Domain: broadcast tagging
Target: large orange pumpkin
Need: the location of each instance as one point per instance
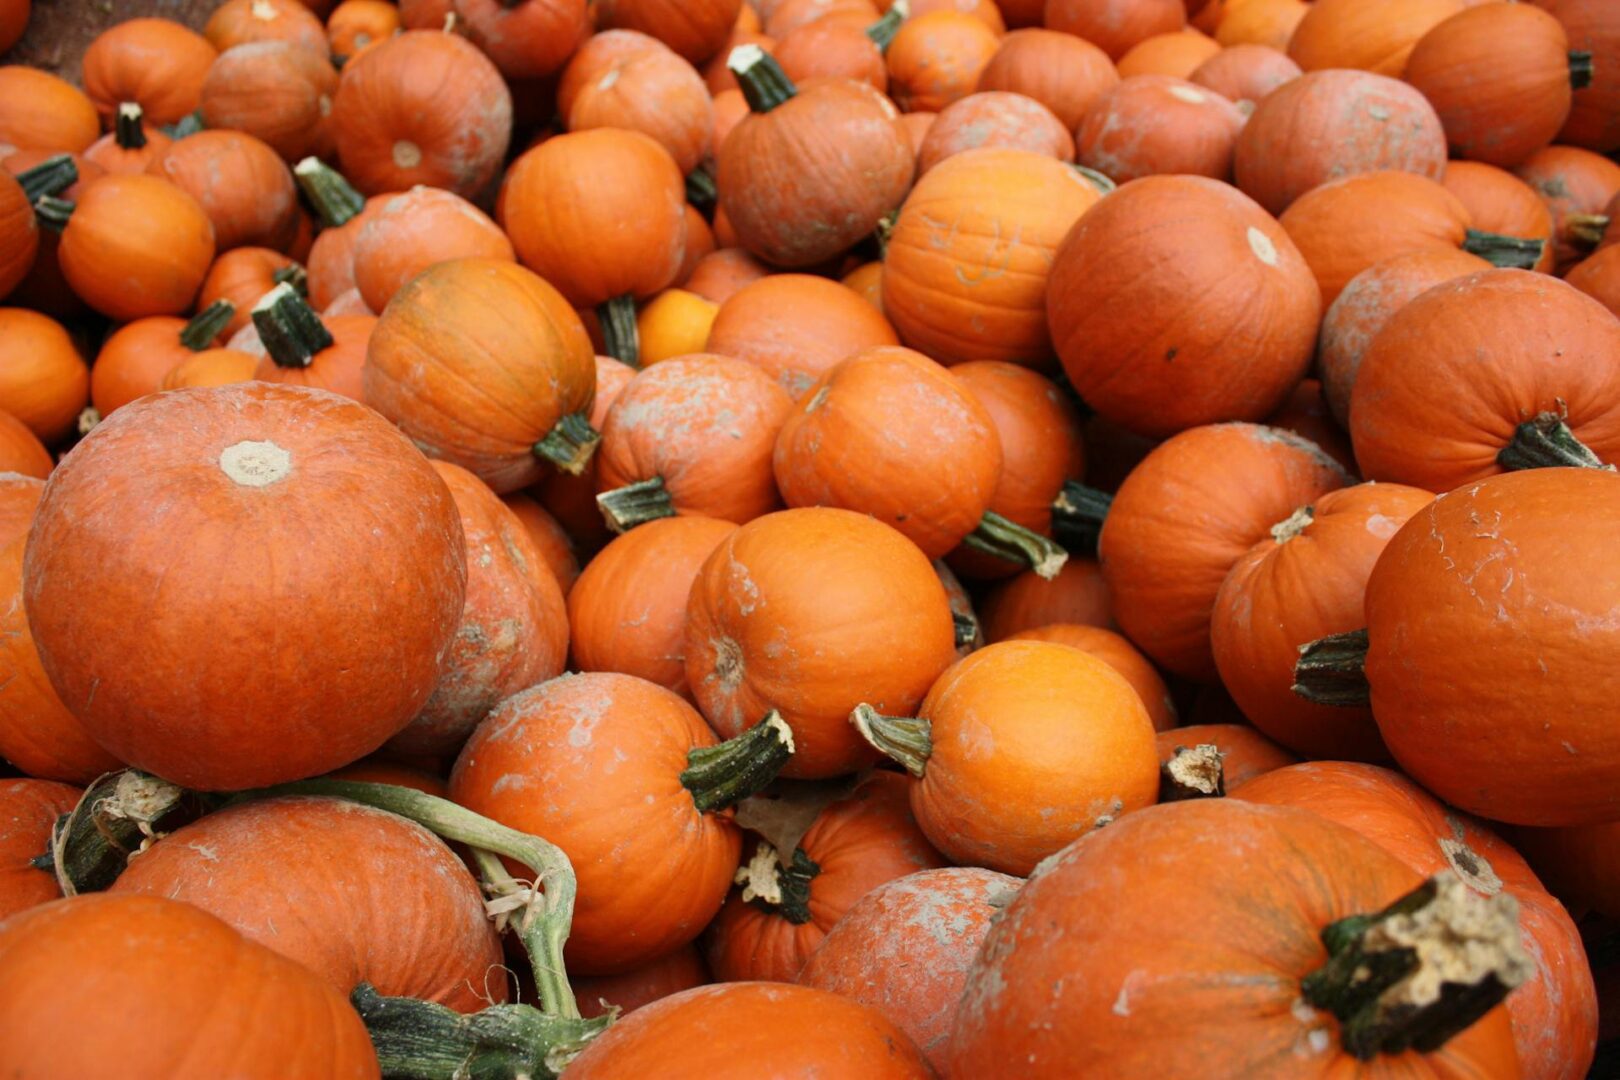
(647, 89)
(994, 118)
(935, 58)
(41, 111)
(1245, 72)
(696, 29)
(410, 232)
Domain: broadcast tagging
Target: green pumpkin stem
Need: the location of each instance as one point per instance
(1545, 443)
(291, 331)
(904, 739)
(570, 444)
(1078, 514)
(1193, 772)
(700, 189)
(1420, 971)
(129, 130)
(118, 815)
(764, 84)
(189, 124)
(966, 627)
(721, 776)
(206, 326)
(620, 337)
(782, 889)
(53, 213)
(334, 198)
(52, 176)
(294, 275)
(882, 32)
(1009, 540)
(1580, 69)
(635, 504)
(1101, 181)
(1587, 230)
(1506, 251)
(1331, 671)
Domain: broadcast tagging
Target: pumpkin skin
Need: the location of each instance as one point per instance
(906, 947)
(280, 93)
(422, 108)
(680, 970)
(331, 257)
(936, 59)
(28, 812)
(1260, 22)
(1303, 582)
(136, 245)
(727, 1031)
(529, 39)
(835, 46)
(480, 323)
(572, 499)
(337, 864)
(695, 29)
(210, 368)
(156, 63)
(1305, 413)
(133, 361)
(1365, 35)
(356, 25)
(1577, 863)
(113, 157)
(1119, 654)
(196, 999)
(39, 111)
(352, 660)
(652, 868)
(1134, 260)
(1175, 54)
(1155, 124)
(1499, 202)
(853, 443)
(1335, 124)
(866, 598)
(1366, 305)
(1485, 728)
(1554, 1015)
(411, 231)
(1106, 908)
(239, 22)
(786, 16)
(43, 380)
(550, 539)
(242, 185)
(676, 323)
(1245, 753)
(1570, 181)
(338, 367)
(1599, 277)
(1115, 25)
(650, 90)
(994, 118)
(21, 451)
(1497, 348)
(19, 235)
(797, 328)
(242, 275)
(1245, 72)
(13, 22)
(1592, 117)
(627, 613)
(1187, 513)
(722, 273)
(1029, 601)
(1063, 72)
(855, 844)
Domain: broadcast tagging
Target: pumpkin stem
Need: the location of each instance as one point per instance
(294, 275)
(765, 880)
(570, 444)
(53, 213)
(1192, 773)
(620, 337)
(1545, 443)
(52, 176)
(882, 32)
(635, 504)
(1420, 971)
(1580, 69)
(1078, 514)
(967, 628)
(721, 776)
(883, 230)
(119, 815)
(1585, 229)
(764, 84)
(189, 124)
(207, 325)
(903, 739)
(1293, 525)
(1009, 540)
(88, 419)
(291, 331)
(1330, 671)
(334, 198)
(700, 189)
(1507, 251)
(1101, 181)
(129, 132)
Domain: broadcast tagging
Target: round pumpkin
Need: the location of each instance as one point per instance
(278, 92)
(696, 29)
(1028, 601)
(1245, 72)
(527, 39)
(1245, 753)
(355, 25)
(28, 813)
(797, 328)
(680, 970)
(136, 245)
(1499, 202)
(210, 368)
(994, 118)
(1156, 124)
(130, 146)
(41, 111)
(1570, 181)
(19, 235)
(158, 64)
(718, 275)
(1592, 116)
(409, 232)
(1176, 54)
(1115, 25)
(1118, 653)
(43, 380)
(242, 185)
(238, 22)
(835, 46)
(242, 276)
(21, 451)
(650, 90)
(935, 59)
(1063, 72)
(1366, 35)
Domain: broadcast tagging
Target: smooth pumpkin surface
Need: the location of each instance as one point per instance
(835, 46)
(680, 970)
(936, 57)
(156, 63)
(43, 380)
(41, 111)
(1063, 72)
(1156, 124)
(279, 92)
(136, 245)
(210, 368)
(412, 231)
(28, 811)
(21, 451)
(238, 22)
(1245, 72)
(1077, 595)
(1499, 202)
(1599, 277)
(242, 276)
(696, 29)
(1570, 180)
(1115, 25)
(526, 40)
(1118, 653)
(19, 234)
(1593, 114)
(1175, 54)
(1366, 35)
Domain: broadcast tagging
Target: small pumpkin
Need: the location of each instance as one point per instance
(242, 276)
(158, 64)
(696, 29)
(837, 46)
(41, 111)
(1260, 22)
(1118, 653)
(1572, 182)
(343, 212)
(210, 367)
(1499, 202)
(1115, 25)
(28, 811)
(1065, 73)
(1242, 73)
(1176, 54)
(675, 323)
(1245, 753)
(279, 93)
(935, 59)
(1592, 116)
(1155, 124)
(43, 380)
(1028, 601)
(994, 118)
(241, 183)
(356, 25)
(527, 39)
(650, 90)
(1365, 35)
(238, 22)
(130, 146)
(796, 327)
(409, 232)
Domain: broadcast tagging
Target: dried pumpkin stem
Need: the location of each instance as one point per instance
(700, 189)
(721, 776)
(129, 129)
(1420, 971)
(1580, 69)
(53, 213)
(116, 817)
(1078, 514)
(904, 739)
(334, 198)
(52, 176)
(1193, 772)
(570, 444)
(620, 337)
(882, 32)
(1330, 671)
(764, 84)
(206, 326)
(966, 627)
(1545, 443)
(785, 889)
(294, 275)
(291, 331)
(1507, 251)
(1006, 539)
(635, 504)
(1586, 229)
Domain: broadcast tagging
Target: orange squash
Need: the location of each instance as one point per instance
(21, 451)
(1156, 124)
(135, 357)
(1115, 25)
(650, 90)
(242, 276)
(1260, 22)
(527, 39)
(935, 59)
(696, 29)
(1366, 35)
(356, 25)
(28, 811)
(210, 367)
(1065, 73)
(1592, 122)
(40, 111)
(280, 93)
(796, 327)
(994, 118)
(1499, 202)
(1245, 753)
(1176, 54)
(1242, 73)
(43, 380)
(1571, 181)
(410, 232)
(680, 970)
(130, 146)
(158, 64)
(241, 183)
(239, 22)
(1028, 601)
(1119, 654)
(837, 46)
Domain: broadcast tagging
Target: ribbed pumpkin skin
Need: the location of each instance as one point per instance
(1245, 72)
(1570, 181)
(696, 29)
(247, 675)
(1449, 377)
(1245, 753)
(1063, 72)
(1115, 25)
(136, 245)
(649, 90)
(1104, 948)
(276, 91)
(28, 811)
(1118, 653)
(1133, 261)
(525, 40)
(1027, 601)
(1152, 125)
(1594, 115)
(680, 970)
(242, 185)
(1511, 718)
(19, 234)
(1555, 1014)
(351, 893)
(1367, 35)
(994, 119)
(412, 231)
(175, 994)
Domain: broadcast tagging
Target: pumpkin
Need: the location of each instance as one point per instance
(1366, 35)
(195, 998)
(1134, 260)
(556, 547)
(238, 22)
(1599, 278)
(1554, 1014)
(1330, 124)
(210, 367)
(343, 212)
(680, 970)
(796, 327)
(43, 380)
(356, 25)
(376, 771)
(1366, 305)
(28, 811)
(1175, 54)
(860, 591)
(1260, 22)
(717, 75)
(674, 323)
(986, 11)
(241, 183)
(1181, 520)
(1151, 124)
(13, 22)
(867, 280)
(1499, 202)
(837, 46)
(1305, 412)
(463, 329)
(854, 841)
(39, 111)
(1245, 72)
(1061, 71)
(650, 90)
(366, 653)
(242, 276)
(279, 93)
(21, 451)
(410, 232)
(19, 234)
(1497, 370)
(905, 948)
(627, 613)
(570, 498)
(1577, 863)
(652, 840)
(936, 59)
(726, 1031)
(811, 170)
(965, 268)
(1591, 29)
(696, 29)
(156, 63)
(422, 108)
(526, 39)
(135, 357)
(1119, 654)
(998, 119)
(1115, 25)
(130, 146)
(1227, 945)
(1028, 601)
(1572, 182)
(786, 16)
(252, 864)
(1245, 753)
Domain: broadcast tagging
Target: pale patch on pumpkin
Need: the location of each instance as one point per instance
(407, 155)
(1261, 245)
(1188, 94)
(255, 463)
(263, 10)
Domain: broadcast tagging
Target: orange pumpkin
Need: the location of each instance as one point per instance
(1366, 35)
(556, 547)
(356, 25)
(130, 146)
(1591, 29)
(796, 327)
(280, 93)
(1061, 71)
(242, 276)
(241, 183)
(43, 380)
(13, 22)
(39, 111)
(1599, 277)
(1260, 22)
(1115, 25)
(156, 63)
(837, 46)
(527, 39)
(21, 451)
(648, 89)
(1176, 54)
(935, 59)
(303, 349)
(1245, 72)
(1028, 601)
(28, 811)
(1154, 124)
(571, 498)
(997, 119)
(1245, 753)
(19, 234)
(680, 970)
(410, 232)
(1571, 181)
(135, 357)
(210, 367)
(696, 29)
(786, 16)
(343, 212)
(239, 22)
(1499, 202)
(1119, 654)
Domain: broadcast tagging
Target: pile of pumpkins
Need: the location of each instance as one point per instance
(840, 538)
